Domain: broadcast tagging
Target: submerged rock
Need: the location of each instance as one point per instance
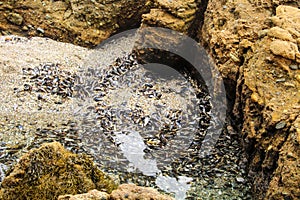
(50, 171)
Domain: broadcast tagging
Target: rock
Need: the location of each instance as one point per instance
(160, 18)
(91, 195)
(285, 184)
(181, 9)
(284, 49)
(280, 125)
(84, 23)
(240, 179)
(124, 191)
(15, 18)
(280, 33)
(133, 192)
(293, 67)
(175, 15)
(287, 17)
(267, 45)
(50, 171)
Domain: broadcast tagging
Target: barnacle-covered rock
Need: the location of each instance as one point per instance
(50, 171)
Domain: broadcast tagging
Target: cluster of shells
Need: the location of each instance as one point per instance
(150, 107)
(171, 115)
(49, 78)
(125, 97)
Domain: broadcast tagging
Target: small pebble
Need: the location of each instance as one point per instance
(240, 179)
(280, 125)
(40, 30)
(47, 17)
(280, 80)
(25, 28)
(290, 155)
(293, 67)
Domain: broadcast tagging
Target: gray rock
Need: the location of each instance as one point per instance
(240, 179)
(293, 67)
(280, 125)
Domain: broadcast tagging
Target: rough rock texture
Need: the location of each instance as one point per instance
(79, 22)
(133, 192)
(256, 46)
(181, 16)
(124, 191)
(87, 23)
(176, 15)
(50, 171)
(91, 195)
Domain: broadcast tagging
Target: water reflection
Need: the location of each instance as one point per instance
(132, 146)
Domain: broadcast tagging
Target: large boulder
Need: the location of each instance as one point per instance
(50, 171)
(257, 52)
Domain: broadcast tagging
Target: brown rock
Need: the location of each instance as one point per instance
(287, 186)
(287, 17)
(83, 22)
(280, 33)
(160, 18)
(50, 171)
(134, 192)
(181, 9)
(284, 49)
(240, 28)
(91, 195)
(175, 15)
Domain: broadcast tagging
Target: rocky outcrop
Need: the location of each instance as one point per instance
(258, 50)
(50, 171)
(85, 23)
